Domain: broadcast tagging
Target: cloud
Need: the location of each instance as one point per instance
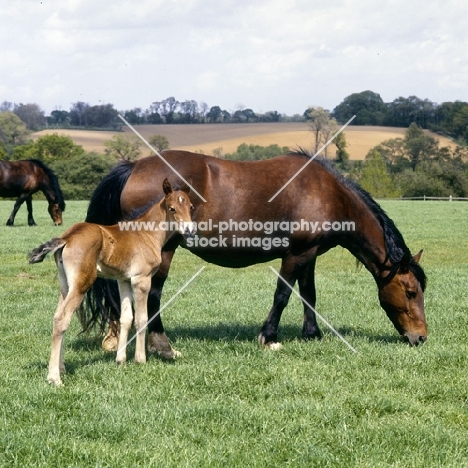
(268, 54)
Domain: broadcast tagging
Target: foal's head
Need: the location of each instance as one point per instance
(179, 208)
(401, 296)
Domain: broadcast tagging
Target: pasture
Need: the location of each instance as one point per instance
(208, 137)
(226, 402)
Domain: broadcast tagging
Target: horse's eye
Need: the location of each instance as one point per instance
(410, 294)
(172, 209)
(192, 207)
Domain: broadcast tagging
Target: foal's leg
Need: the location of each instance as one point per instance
(62, 318)
(141, 287)
(126, 319)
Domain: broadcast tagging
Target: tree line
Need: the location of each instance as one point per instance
(448, 118)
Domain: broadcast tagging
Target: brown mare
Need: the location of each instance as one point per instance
(20, 179)
(239, 191)
(88, 250)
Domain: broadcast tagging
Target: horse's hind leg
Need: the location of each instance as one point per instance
(31, 221)
(310, 328)
(20, 200)
(268, 336)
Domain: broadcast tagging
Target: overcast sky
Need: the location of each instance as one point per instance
(283, 55)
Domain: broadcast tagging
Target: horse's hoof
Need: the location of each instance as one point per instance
(272, 345)
(170, 355)
(159, 343)
(109, 343)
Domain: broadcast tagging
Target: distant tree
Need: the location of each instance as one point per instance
(123, 147)
(419, 146)
(49, 148)
(342, 156)
(247, 152)
(6, 106)
(78, 114)
(402, 112)
(31, 115)
(102, 116)
(203, 111)
(134, 116)
(81, 175)
(13, 131)
(159, 142)
(322, 127)
(367, 106)
(214, 114)
(376, 179)
(59, 118)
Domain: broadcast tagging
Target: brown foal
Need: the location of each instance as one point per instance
(132, 257)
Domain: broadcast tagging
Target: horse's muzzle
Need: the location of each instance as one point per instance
(414, 339)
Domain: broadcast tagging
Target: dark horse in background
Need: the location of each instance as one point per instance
(240, 191)
(20, 179)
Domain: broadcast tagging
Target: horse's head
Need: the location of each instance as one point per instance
(179, 209)
(55, 213)
(401, 295)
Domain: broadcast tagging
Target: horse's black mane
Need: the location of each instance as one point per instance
(53, 182)
(397, 250)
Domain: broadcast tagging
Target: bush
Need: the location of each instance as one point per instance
(80, 175)
(247, 152)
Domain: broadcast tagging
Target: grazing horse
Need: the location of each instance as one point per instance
(238, 195)
(87, 251)
(23, 178)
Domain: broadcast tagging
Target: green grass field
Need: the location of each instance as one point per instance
(226, 402)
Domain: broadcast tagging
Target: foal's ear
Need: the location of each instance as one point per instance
(167, 187)
(417, 257)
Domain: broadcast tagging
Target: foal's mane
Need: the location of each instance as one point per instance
(397, 250)
(54, 183)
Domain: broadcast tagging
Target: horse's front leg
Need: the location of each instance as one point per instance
(310, 328)
(268, 336)
(141, 287)
(158, 342)
(20, 200)
(126, 319)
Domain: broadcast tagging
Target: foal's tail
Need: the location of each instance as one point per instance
(38, 254)
(101, 306)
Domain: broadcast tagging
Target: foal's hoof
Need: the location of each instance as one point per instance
(53, 380)
(272, 345)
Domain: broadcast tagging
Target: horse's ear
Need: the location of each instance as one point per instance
(186, 187)
(417, 257)
(167, 187)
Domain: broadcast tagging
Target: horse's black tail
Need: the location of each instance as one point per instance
(102, 305)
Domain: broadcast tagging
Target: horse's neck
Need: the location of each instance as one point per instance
(367, 241)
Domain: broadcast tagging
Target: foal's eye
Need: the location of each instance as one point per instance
(192, 207)
(172, 209)
(410, 294)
